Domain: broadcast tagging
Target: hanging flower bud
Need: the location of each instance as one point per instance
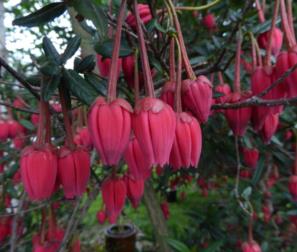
(144, 13)
(165, 210)
(135, 189)
(251, 246)
(109, 126)
(19, 141)
(83, 138)
(250, 157)
(35, 119)
(38, 166)
(14, 128)
(4, 130)
(19, 102)
(197, 97)
(277, 40)
(101, 217)
(270, 127)
(138, 164)
(209, 22)
(73, 171)
(114, 194)
(167, 93)
(154, 126)
(224, 90)
(104, 65)
(187, 144)
(5, 228)
(293, 187)
(238, 118)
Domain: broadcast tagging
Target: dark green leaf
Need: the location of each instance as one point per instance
(50, 51)
(50, 87)
(105, 48)
(49, 68)
(34, 80)
(79, 87)
(259, 171)
(27, 124)
(72, 47)
(178, 246)
(93, 11)
(154, 24)
(86, 64)
(42, 16)
(98, 84)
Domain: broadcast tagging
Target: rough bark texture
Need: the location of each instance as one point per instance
(2, 31)
(157, 218)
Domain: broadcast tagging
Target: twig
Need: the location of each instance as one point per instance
(20, 78)
(19, 109)
(13, 238)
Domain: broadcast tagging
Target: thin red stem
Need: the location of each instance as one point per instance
(143, 54)
(41, 124)
(47, 123)
(178, 103)
(172, 60)
(136, 77)
(67, 123)
(254, 55)
(260, 12)
(113, 76)
(273, 22)
(286, 25)
(186, 61)
(237, 66)
(291, 19)
(250, 229)
(221, 79)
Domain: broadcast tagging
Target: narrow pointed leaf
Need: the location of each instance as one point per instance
(79, 87)
(50, 50)
(71, 49)
(42, 16)
(50, 87)
(86, 64)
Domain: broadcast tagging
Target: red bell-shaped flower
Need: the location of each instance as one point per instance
(224, 90)
(277, 40)
(101, 217)
(238, 118)
(83, 138)
(187, 144)
(284, 61)
(73, 171)
(261, 80)
(138, 164)
(269, 128)
(14, 128)
(104, 65)
(154, 127)
(251, 246)
(209, 22)
(110, 126)
(135, 189)
(250, 157)
(197, 97)
(293, 187)
(114, 194)
(144, 13)
(35, 119)
(5, 228)
(4, 130)
(168, 93)
(38, 166)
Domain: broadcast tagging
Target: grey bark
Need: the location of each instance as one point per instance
(157, 218)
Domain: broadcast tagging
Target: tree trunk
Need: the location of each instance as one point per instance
(157, 218)
(2, 31)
